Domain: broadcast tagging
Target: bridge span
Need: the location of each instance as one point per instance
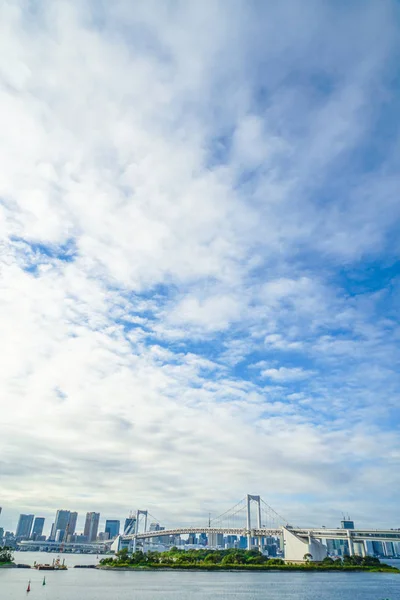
(297, 541)
(357, 535)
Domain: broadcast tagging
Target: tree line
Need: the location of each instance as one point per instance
(232, 558)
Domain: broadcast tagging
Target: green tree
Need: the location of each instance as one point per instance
(371, 561)
(6, 555)
(122, 555)
(307, 557)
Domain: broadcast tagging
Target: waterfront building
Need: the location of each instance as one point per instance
(73, 517)
(203, 539)
(337, 547)
(37, 529)
(80, 539)
(112, 528)
(388, 548)
(65, 523)
(378, 548)
(130, 524)
(215, 540)
(242, 542)
(60, 524)
(192, 539)
(91, 526)
(9, 539)
(59, 535)
(347, 523)
(24, 527)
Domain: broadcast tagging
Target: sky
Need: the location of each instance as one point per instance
(199, 264)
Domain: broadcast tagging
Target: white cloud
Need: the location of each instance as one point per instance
(283, 374)
(162, 205)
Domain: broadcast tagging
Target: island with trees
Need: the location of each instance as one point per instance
(6, 557)
(235, 559)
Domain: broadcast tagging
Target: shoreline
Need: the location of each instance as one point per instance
(260, 569)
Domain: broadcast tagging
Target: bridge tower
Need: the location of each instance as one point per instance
(249, 499)
(138, 513)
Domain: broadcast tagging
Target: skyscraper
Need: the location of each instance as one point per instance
(112, 528)
(61, 522)
(130, 523)
(91, 526)
(24, 526)
(37, 530)
(65, 523)
(72, 523)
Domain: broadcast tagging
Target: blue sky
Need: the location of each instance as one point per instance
(200, 260)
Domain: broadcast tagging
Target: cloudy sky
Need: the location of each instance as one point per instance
(199, 276)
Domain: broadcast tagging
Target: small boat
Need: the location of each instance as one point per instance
(44, 580)
(28, 589)
(56, 566)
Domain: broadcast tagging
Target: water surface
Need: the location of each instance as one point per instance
(90, 584)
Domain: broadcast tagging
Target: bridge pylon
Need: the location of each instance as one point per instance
(138, 513)
(249, 499)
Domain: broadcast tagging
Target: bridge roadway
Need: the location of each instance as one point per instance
(357, 535)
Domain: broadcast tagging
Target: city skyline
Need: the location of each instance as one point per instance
(30, 524)
(336, 542)
(82, 523)
(200, 261)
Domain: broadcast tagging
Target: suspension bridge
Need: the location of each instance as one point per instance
(252, 518)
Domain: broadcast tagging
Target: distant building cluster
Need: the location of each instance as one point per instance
(63, 529)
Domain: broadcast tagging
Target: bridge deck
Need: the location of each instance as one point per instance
(323, 533)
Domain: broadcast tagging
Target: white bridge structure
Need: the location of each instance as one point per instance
(297, 542)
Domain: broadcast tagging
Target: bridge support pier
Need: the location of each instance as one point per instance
(249, 499)
(299, 549)
(363, 551)
(350, 543)
(138, 513)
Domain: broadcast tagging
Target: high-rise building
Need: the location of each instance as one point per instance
(73, 517)
(61, 523)
(203, 539)
(91, 526)
(130, 524)
(38, 525)
(59, 535)
(112, 528)
(24, 526)
(65, 523)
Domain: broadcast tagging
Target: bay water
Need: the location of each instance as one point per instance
(91, 584)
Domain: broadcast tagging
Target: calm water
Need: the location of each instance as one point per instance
(87, 584)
